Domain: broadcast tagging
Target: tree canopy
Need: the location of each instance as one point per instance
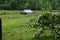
(30, 4)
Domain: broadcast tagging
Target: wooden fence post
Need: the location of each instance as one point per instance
(0, 29)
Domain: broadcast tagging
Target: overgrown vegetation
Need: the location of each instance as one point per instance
(16, 26)
(48, 21)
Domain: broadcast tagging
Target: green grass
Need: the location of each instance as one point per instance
(16, 29)
(14, 25)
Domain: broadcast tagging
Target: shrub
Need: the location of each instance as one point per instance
(50, 20)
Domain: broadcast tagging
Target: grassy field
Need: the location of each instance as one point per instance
(14, 25)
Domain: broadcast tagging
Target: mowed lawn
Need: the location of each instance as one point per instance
(14, 26)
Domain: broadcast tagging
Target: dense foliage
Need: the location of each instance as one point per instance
(50, 20)
(30, 4)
